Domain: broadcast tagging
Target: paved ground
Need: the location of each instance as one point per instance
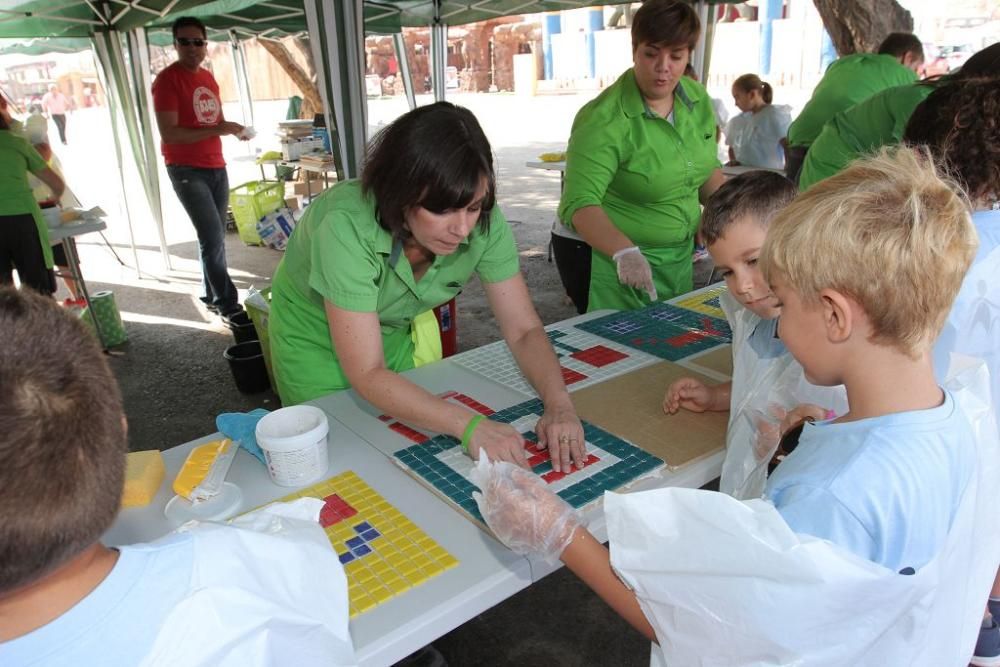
(175, 380)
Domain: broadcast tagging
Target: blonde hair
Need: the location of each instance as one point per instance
(890, 232)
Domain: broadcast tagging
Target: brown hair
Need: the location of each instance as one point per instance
(435, 156)
(665, 23)
(960, 124)
(62, 453)
(757, 195)
(749, 82)
(891, 233)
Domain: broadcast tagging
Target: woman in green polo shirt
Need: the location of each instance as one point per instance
(24, 237)
(641, 156)
(369, 256)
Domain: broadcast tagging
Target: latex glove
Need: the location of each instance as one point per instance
(560, 430)
(687, 393)
(634, 271)
(521, 511)
(778, 421)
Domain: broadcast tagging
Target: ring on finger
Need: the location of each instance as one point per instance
(565, 438)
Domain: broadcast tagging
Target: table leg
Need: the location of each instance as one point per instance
(73, 259)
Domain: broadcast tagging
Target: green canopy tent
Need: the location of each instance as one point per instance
(336, 31)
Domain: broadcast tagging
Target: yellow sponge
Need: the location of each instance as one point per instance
(198, 465)
(143, 474)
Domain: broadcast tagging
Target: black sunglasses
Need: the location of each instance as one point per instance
(184, 41)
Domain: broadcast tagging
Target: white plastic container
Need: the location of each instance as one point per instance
(53, 217)
(294, 444)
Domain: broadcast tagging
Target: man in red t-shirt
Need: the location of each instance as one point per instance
(189, 115)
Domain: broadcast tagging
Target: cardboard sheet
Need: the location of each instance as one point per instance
(719, 360)
(631, 407)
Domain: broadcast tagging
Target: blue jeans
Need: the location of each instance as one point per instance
(204, 193)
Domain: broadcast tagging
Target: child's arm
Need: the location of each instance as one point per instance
(530, 519)
(591, 561)
(696, 396)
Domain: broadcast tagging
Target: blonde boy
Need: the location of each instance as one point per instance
(865, 266)
(766, 379)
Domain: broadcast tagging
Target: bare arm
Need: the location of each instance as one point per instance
(357, 338)
(591, 562)
(597, 229)
(171, 133)
(560, 429)
(713, 183)
(53, 180)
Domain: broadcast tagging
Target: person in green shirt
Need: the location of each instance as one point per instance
(880, 120)
(641, 156)
(370, 256)
(24, 237)
(847, 81)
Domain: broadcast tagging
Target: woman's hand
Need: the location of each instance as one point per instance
(690, 394)
(560, 430)
(522, 512)
(634, 270)
(501, 442)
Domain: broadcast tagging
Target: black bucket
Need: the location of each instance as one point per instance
(242, 327)
(246, 361)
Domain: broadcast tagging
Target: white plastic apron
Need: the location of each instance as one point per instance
(725, 582)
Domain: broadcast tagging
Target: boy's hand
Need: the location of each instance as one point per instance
(521, 511)
(689, 394)
(772, 427)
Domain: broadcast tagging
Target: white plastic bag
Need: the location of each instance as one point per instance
(266, 591)
(725, 582)
(761, 384)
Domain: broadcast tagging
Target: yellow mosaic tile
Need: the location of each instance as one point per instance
(383, 552)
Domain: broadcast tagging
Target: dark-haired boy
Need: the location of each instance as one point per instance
(765, 377)
(199, 596)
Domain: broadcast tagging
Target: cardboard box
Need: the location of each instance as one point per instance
(313, 186)
(292, 202)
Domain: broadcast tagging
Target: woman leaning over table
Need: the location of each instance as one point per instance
(641, 155)
(370, 256)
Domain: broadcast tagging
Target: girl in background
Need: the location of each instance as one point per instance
(754, 136)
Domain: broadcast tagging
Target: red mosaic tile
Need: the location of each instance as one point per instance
(599, 356)
(334, 511)
(570, 376)
(407, 432)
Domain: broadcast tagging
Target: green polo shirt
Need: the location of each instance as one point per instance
(17, 158)
(864, 128)
(339, 253)
(847, 81)
(644, 171)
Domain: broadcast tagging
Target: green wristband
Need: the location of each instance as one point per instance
(469, 429)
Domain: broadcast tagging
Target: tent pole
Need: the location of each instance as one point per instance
(104, 72)
(439, 53)
(143, 92)
(336, 37)
(242, 80)
(403, 63)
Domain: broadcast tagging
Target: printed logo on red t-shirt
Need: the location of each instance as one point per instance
(206, 106)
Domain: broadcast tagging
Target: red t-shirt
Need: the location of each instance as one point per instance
(195, 98)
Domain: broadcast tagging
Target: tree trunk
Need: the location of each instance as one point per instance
(311, 101)
(857, 26)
